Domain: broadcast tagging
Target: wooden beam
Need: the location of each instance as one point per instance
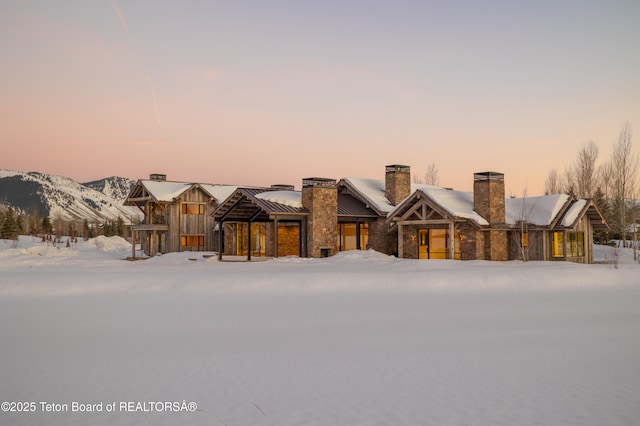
(249, 240)
(412, 210)
(425, 222)
(275, 237)
(139, 199)
(452, 241)
(220, 239)
(400, 242)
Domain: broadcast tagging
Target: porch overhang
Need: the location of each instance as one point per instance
(150, 227)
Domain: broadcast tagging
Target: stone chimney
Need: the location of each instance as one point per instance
(488, 202)
(488, 196)
(320, 198)
(158, 177)
(397, 183)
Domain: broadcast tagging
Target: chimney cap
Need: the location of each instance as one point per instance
(282, 187)
(158, 176)
(317, 181)
(488, 176)
(394, 168)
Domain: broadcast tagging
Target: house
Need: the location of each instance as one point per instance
(279, 221)
(439, 223)
(177, 215)
(392, 216)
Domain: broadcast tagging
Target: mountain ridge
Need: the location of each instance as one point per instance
(60, 196)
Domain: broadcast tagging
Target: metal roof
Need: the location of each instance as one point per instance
(348, 205)
(243, 205)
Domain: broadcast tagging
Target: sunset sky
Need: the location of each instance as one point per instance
(264, 92)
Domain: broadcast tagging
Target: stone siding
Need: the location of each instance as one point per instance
(380, 239)
(322, 203)
(397, 183)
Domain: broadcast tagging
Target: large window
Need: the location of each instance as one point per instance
(434, 244)
(348, 235)
(557, 244)
(575, 244)
(192, 208)
(570, 244)
(192, 241)
(258, 237)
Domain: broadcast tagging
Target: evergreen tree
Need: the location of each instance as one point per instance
(120, 227)
(107, 229)
(46, 225)
(9, 230)
(600, 200)
(85, 229)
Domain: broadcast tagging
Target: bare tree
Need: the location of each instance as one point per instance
(431, 177)
(586, 172)
(624, 168)
(520, 232)
(552, 184)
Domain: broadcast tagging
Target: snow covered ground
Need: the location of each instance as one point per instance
(356, 339)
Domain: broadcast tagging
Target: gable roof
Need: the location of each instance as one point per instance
(169, 191)
(579, 209)
(372, 193)
(258, 204)
(539, 211)
(458, 204)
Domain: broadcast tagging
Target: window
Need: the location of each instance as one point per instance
(575, 244)
(258, 239)
(192, 208)
(557, 244)
(525, 239)
(348, 235)
(438, 247)
(192, 240)
(435, 243)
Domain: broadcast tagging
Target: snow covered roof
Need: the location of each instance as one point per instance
(287, 198)
(165, 191)
(168, 191)
(219, 192)
(573, 213)
(539, 211)
(456, 203)
(372, 192)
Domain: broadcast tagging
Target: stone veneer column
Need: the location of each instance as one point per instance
(320, 198)
(489, 202)
(397, 183)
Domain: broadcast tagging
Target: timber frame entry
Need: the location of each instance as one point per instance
(418, 216)
(244, 207)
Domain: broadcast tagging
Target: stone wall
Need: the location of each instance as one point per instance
(497, 245)
(488, 196)
(320, 198)
(380, 239)
(397, 183)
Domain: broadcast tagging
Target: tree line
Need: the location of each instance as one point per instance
(612, 184)
(14, 223)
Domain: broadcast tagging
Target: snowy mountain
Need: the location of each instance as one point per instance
(114, 187)
(55, 196)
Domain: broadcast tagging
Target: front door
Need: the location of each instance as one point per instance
(423, 244)
(432, 243)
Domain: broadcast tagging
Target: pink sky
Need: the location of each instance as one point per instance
(256, 93)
